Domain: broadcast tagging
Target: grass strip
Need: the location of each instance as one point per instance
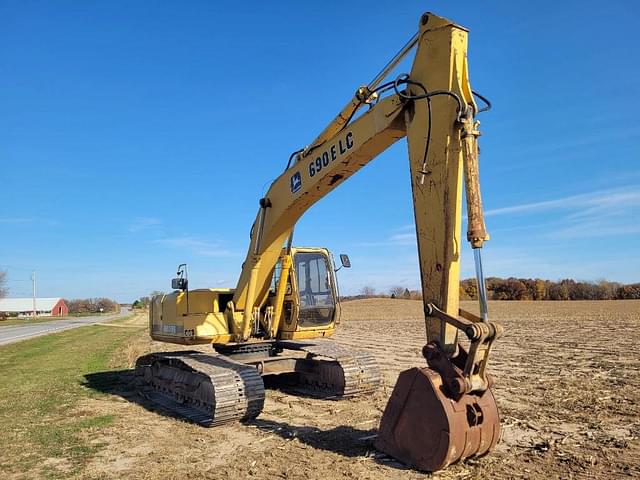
(41, 386)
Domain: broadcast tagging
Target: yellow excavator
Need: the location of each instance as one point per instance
(276, 320)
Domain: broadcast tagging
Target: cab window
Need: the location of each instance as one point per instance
(317, 303)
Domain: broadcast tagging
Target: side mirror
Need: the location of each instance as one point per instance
(344, 260)
(179, 283)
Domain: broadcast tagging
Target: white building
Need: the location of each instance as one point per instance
(45, 307)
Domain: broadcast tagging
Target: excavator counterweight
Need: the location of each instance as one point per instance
(277, 319)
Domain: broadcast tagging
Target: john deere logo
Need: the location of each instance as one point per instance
(296, 182)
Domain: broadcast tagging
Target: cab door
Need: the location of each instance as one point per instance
(313, 274)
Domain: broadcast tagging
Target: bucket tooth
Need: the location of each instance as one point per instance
(427, 429)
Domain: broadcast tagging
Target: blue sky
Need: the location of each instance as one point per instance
(138, 135)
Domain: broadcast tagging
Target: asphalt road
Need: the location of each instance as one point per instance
(16, 333)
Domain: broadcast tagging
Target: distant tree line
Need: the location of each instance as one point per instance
(394, 292)
(538, 289)
(92, 305)
(523, 289)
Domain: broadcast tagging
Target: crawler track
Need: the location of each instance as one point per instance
(207, 389)
(213, 389)
(336, 371)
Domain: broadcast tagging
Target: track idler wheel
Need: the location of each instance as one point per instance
(428, 426)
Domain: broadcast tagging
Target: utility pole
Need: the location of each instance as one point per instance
(33, 281)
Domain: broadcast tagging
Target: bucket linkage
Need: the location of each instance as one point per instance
(444, 412)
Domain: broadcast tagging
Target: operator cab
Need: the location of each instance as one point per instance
(313, 284)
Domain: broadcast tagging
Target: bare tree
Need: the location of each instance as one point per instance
(397, 291)
(3, 281)
(368, 291)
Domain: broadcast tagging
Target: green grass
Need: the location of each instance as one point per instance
(41, 387)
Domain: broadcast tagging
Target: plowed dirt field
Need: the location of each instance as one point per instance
(567, 384)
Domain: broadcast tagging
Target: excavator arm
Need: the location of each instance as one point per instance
(434, 108)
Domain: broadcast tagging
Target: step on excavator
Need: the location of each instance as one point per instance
(286, 304)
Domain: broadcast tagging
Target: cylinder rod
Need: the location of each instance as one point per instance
(393, 62)
(482, 288)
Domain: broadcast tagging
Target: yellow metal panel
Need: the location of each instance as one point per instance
(169, 321)
(180, 340)
(440, 64)
(203, 323)
(280, 293)
(307, 334)
(206, 325)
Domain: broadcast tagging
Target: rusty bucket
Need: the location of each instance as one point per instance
(428, 427)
